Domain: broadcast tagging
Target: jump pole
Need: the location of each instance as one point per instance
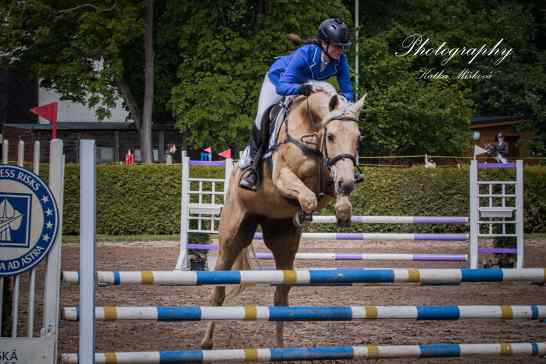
(312, 313)
(444, 350)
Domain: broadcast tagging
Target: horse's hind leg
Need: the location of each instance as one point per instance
(236, 232)
(282, 238)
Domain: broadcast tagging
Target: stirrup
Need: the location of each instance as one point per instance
(248, 186)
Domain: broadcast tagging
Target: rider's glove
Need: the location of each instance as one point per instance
(306, 89)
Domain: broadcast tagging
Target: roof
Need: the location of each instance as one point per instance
(486, 121)
(77, 125)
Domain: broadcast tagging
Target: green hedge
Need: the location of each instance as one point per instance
(146, 199)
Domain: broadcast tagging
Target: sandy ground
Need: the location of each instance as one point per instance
(155, 336)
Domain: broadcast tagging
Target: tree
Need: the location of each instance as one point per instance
(517, 85)
(226, 49)
(83, 51)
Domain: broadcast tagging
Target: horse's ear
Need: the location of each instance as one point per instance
(334, 102)
(359, 104)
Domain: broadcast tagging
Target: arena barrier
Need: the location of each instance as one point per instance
(88, 278)
(496, 210)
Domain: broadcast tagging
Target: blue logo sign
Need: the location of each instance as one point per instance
(29, 220)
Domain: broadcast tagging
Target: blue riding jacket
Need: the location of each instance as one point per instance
(289, 72)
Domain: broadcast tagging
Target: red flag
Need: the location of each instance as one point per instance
(48, 112)
(226, 153)
(208, 150)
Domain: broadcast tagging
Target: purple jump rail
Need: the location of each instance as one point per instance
(441, 220)
(498, 250)
(423, 236)
(415, 257)
(486, 165)
(208, 163)
(198, 246)
(439, 258)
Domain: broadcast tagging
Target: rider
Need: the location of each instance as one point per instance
(319, 59)
(500, 149)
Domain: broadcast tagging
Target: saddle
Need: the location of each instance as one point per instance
(273, 118)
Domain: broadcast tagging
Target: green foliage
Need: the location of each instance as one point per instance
(211, 57)
(401, 97)
(63, 42)
(226, 54)
(146, 199)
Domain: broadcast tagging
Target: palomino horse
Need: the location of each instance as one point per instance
(314, 161)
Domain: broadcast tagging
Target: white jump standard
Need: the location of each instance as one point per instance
(496, 204)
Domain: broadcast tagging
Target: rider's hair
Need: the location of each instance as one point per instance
(296, 40)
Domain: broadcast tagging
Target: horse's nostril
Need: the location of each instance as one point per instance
(345, 187)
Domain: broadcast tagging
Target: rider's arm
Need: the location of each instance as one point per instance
(344, 79)
(295, 74)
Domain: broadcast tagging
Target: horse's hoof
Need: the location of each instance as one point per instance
(206, 345)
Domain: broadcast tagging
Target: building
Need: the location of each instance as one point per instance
(114, 136)
(515, 134)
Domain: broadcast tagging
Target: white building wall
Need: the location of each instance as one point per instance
(70, 111)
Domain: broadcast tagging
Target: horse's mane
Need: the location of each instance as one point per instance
(325, 86)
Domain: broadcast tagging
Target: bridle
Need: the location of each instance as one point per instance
(340, 115)
(322, 153)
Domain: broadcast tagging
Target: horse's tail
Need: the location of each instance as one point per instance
(241, 263)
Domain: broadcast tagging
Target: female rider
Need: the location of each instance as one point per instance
(317, 60)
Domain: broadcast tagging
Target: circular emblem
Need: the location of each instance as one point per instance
(29, 220)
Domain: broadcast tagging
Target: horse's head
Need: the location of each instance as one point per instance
(337, 121)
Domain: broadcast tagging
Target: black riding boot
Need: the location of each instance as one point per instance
(250, 177)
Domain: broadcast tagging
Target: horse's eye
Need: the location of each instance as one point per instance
(330, 138)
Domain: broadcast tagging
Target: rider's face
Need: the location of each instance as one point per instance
(332, 51)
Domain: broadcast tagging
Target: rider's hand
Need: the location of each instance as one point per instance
(306, 89)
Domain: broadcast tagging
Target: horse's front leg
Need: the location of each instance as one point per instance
(289, 185)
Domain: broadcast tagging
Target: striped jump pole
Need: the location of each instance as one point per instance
(372, 256)
(378, 236)
(448, 220)
(319, 353)
(383, 256)
(306, 313)
(431, 276)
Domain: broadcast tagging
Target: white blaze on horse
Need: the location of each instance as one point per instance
(313, 162)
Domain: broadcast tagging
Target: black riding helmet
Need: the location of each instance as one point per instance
(334, 31)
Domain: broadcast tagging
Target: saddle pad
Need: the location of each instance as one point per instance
(274, 127)
(276, 124)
